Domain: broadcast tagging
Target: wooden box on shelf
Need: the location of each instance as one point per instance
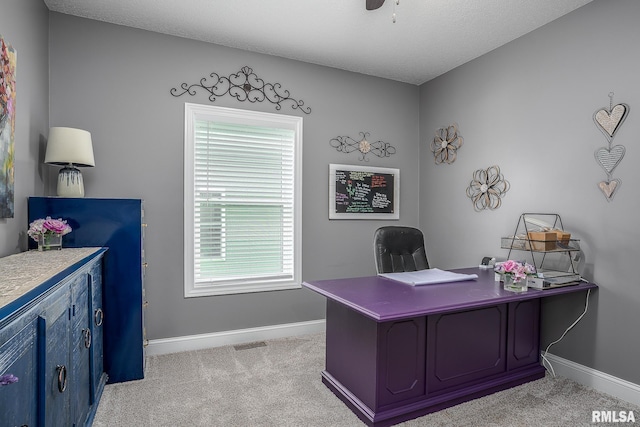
(543, 240)
(562, 236)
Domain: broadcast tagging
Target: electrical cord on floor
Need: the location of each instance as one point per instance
(544, 355)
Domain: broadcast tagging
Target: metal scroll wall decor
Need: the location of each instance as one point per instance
(609, 121)
(346, 144)
(244, 85)
(487, 188)
(446, 144)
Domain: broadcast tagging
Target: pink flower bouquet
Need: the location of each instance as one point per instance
(48, 227)
(518, 270)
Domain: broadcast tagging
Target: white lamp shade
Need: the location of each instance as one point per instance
(69, 146)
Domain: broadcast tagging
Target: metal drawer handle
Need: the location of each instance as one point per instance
(98, 317)
(62, 378)
(87, 337)
(8, 379)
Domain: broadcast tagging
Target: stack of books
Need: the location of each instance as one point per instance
(549, 279)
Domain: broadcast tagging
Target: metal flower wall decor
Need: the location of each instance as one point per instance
(446, 144)
(244, 85)
(487, 188)
(346, 144)
(609, 121)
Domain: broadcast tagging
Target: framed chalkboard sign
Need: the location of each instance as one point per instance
(363, 192)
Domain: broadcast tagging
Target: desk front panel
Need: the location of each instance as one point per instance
(417, 361)
(465, 347)
(523, 334)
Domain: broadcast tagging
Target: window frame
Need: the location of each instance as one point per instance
(192, 112)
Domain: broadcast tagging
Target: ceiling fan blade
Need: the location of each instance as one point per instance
(374, 4)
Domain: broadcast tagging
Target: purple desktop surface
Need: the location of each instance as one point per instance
(384, 299)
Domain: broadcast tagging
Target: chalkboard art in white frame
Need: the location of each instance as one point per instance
(363, 192)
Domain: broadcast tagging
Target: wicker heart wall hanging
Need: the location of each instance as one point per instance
(608, 121)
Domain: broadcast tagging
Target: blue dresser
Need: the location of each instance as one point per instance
(117, 224)
(51, 337)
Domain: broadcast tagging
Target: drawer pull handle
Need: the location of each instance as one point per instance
(62, 378)
(98, 317)
(8, 379)
(87, 337)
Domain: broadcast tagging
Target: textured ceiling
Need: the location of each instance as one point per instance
(429, 38)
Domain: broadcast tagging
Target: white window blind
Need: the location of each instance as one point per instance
(244, 205)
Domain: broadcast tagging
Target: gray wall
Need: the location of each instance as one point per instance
(527, 107)
(114, 81)
(24, 24)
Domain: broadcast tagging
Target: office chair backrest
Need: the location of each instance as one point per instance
(399, 249)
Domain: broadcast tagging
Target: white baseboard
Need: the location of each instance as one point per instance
(597, 380)
(240, 336)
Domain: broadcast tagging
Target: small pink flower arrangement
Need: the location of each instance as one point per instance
(518, 270)
(48, 227)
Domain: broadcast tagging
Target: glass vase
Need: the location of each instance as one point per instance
(514, 286)
(48, 242)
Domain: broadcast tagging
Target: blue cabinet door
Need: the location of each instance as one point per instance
(80, 345)
(18, 359)
(96, 326)
(57, 367)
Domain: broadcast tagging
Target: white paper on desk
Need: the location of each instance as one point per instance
(430, 276)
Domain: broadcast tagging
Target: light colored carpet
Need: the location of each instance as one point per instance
(279, 385)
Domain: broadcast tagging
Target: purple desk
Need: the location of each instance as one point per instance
(397, 352)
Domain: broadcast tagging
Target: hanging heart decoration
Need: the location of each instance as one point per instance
(609, 188)
(609, 158)
(609, 121)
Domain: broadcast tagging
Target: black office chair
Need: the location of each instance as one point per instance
(399, 249)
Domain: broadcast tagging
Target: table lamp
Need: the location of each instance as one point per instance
(70, 148)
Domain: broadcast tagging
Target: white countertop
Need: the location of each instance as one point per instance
(22, 272)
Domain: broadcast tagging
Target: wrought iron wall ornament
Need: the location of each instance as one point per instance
(487, 188)
(244, 85)
(446, 143)
(346, 144)
(608, 122)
